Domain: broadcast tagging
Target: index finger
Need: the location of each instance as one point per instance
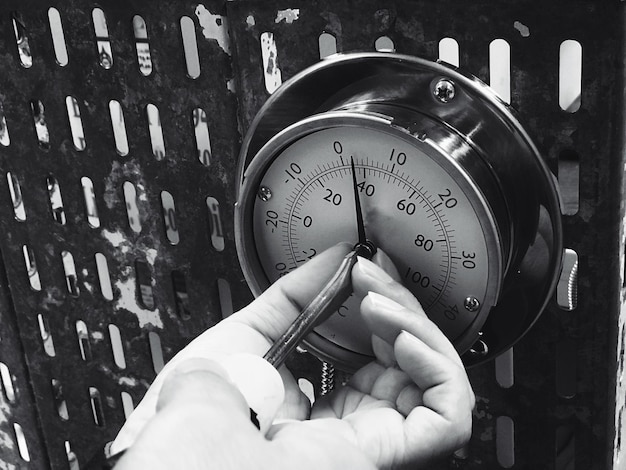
(274, 310)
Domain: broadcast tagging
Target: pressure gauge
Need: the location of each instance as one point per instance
(450, 186)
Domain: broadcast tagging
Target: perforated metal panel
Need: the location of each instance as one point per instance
(89, 182)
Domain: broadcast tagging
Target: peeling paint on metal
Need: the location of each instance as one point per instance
(128, 381)
(273, 75)
(141, 190)
(117, 239)
(5, 410)
(6, 441)
(55, 297)
(523, 30)
(97, 335)
(288, 16)
(214, 27)
(127, 300)
(151, 255)
(89, 287)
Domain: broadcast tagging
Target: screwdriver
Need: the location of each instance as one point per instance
(334, 293)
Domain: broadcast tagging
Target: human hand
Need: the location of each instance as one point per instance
(413, 403)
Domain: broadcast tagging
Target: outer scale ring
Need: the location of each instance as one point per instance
(511, 174)
(465, 177)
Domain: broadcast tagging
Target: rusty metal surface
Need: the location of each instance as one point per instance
(180, 173)
(567, 372)
(561, 410)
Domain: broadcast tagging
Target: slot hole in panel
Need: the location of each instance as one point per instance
(269, 55)
(58, 37)
(104, 278)
(215, 224)
(203, 138)
(327, 44)
(127, 404)
(56, 201)
(84, 346)
(22, 444)
(76, 123)
(103, 44)
(16, 197)
(91, 209)
(307, 388)
(72, 459)
(169, 218)
(190, 47)
(567, 286)
(7, 383)
(5, 140)
(71, 279)
(132, 209)
(569, 180)
(156, 351)
(31, 268)
(505, 371)
(59, 400)
(96, 406)
(117, 347)
(46, 336)
(570, 75)
(21, 39)
(142, 45)
(500, 68)
(181, 297)
(39, 120)
(449, 51)
(144, 284)
(505, 441)
(156, 132)
(226, 297)
(119, 128)
(384, 44)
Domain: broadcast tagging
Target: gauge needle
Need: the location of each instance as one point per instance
(364, 247)
(360, 226)
(334, 293)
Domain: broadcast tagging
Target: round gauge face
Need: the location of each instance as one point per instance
(418, 206)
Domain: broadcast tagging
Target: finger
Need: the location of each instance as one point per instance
(386, 318)
(197, 381)
(296, 405)
(383, 351)
(202, 418)
(369, 277)
(447, 398)
(384, 261)
(273, 311)
(321, 443)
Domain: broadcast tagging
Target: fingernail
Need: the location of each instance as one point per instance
(384, 303)
(372, 270)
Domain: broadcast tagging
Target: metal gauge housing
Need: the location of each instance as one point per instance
(451, 188)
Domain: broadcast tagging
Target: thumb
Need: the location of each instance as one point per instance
(202, 417)
(200, 382)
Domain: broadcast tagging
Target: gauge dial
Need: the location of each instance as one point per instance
(451, 187)
(419, 206)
